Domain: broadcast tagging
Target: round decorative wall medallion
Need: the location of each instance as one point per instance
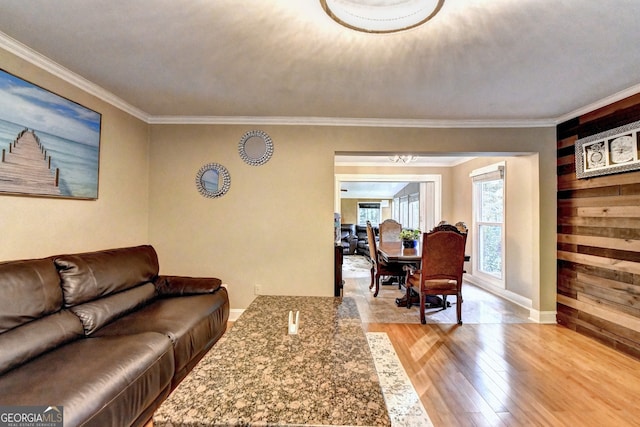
(213, 180)
(255, 147)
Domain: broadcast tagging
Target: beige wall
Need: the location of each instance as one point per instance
(38, 227)
(521, 188)
(274, 227)
(349, 210)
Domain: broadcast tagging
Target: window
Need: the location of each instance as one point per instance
(368, 211)
(403, 217)
(406, 210)
(414, 211)
(395, 205)
(488, 222)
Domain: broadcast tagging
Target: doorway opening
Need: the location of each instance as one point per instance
(450, 196)
(429, 191)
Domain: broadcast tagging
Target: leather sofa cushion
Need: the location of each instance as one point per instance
(29, 289)
(99, 312)
(182, 285)
(22, 344)
(188, 321)
(106, 381)
(93, 275)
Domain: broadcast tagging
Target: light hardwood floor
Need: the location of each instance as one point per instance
(516, 375)
(498, 368)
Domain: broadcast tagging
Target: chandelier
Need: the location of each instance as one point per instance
(403, 158)
(381, 16)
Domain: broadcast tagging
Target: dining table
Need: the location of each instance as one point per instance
(395, 252)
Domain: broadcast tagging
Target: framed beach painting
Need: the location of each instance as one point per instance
(50, 145)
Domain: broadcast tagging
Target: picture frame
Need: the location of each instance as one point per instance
(213, 180)
(255, 147)
(50, 145)
(609, 152)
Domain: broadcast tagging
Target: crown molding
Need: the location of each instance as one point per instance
(633, 90)
(352, 122)
(25, 52)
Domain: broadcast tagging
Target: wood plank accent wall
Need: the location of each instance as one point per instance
(599, 238)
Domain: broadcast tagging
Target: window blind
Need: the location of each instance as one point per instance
(365, 205)
(488, 173)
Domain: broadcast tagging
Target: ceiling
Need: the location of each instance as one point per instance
(373, 189)
(511, 62)
(370, 189)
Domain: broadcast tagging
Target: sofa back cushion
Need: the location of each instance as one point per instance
(97, 313)
(19, 345)
(29, 290)
(88, 276)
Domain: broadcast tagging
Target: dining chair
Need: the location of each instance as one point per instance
(390, 230)
(379, 267)
(441, 267)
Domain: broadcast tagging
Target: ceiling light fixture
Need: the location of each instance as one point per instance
(381, 16)
(403, 158)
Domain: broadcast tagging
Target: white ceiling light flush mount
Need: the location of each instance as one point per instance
(403, 158)
(381, 16)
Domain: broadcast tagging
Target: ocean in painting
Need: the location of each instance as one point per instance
(78, 162)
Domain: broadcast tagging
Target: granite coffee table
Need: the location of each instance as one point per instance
(259, 375)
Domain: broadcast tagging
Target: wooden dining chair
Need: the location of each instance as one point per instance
(441, 267)
(379, 267)
(390, 230)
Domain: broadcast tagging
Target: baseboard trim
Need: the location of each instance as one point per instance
(235, 313)
(543, 317)
(502, 293)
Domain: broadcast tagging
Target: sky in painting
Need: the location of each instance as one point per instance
(31, 106)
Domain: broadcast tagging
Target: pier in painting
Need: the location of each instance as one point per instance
(26, 167)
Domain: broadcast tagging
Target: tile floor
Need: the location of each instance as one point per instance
(479, 305)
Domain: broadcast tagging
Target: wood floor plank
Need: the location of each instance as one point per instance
(516, 375)
(519, 374)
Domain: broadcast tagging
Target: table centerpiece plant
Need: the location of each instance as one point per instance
(410, 237)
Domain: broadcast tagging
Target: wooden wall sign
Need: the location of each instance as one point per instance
(613, 151)
(598, 230)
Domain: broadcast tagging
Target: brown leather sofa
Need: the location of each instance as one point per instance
(348, 238)
(102, 334)
(362, 245)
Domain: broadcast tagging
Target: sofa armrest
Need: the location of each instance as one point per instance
(183, 285)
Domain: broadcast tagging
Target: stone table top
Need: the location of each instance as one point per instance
(259, 375)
